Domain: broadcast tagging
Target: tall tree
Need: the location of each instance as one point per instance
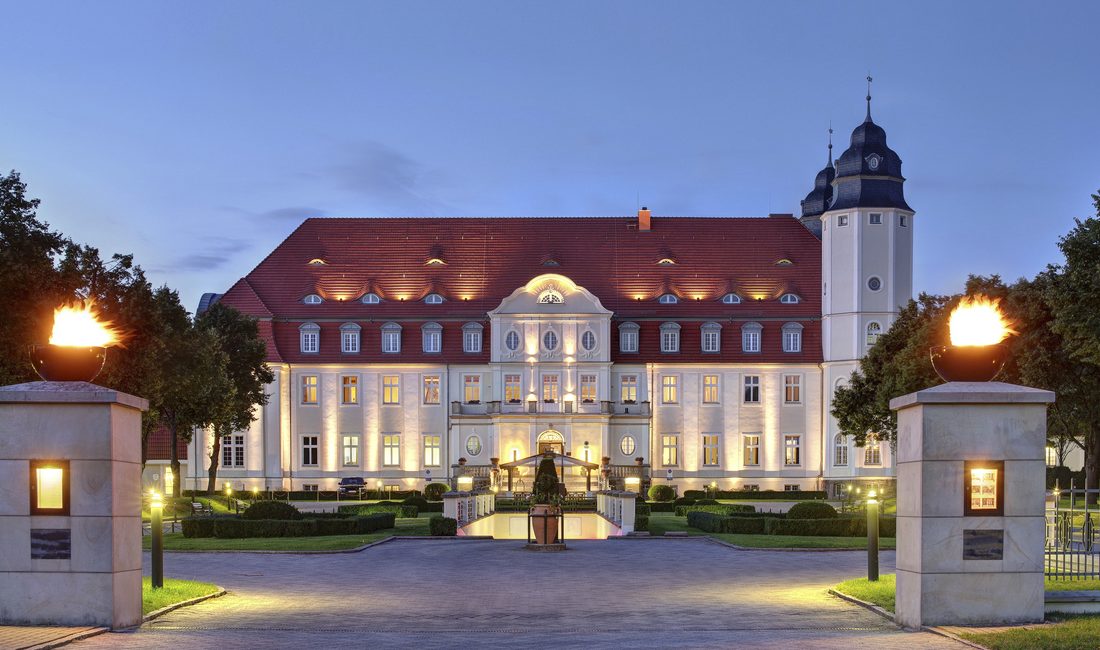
(246, 371)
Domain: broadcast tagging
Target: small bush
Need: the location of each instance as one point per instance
(271, 510)
(641, 522)
(811, 510)
(661, 492)
(443, 526)
(435, 491)
(417, 500)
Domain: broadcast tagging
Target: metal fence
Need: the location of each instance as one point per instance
(1073, 534)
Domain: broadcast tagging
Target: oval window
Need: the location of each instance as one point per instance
(588, 341)
(627, 445)
(874, 283)
(550, 341)
(473, 445)
(511, 341)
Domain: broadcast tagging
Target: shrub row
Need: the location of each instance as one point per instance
(715, 523)
(721, 509)
(641, 522)
(304, 495)
(234, 528)
(441, 526)
(841, 527)
(398, 509)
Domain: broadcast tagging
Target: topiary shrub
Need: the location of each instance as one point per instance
(442, 526)
(546, 482)
(417, 500)
(435, 491)
(811, 510)
(271, 510)
(661, 492)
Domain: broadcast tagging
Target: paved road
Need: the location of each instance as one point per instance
(493, 594)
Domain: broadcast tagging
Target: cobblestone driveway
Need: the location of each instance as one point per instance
(599, 594)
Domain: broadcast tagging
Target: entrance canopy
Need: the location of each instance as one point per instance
(559, 460)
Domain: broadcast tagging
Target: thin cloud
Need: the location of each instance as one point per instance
(388, 177)
(215, 253)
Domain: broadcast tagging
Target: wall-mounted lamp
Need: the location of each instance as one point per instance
(49, 488)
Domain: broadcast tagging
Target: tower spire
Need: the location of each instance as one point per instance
(868, 97)
(830, 143)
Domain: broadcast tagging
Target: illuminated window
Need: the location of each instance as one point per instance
(628, 337)
(710, 389)
(670, 337)
(309, 450)
(513, 389)
(670, 389)
(371, 299)
(350, 450)
(511, 341)
(874, 330)
(549, 388)
(233, 451)
(471, 337)
(310, 337)
(1052, 457)
(668, 299)
(750, 337)
(391, 389)
(433, 299)
(712, 337)
(751, 445)
(312, 299)
(840, 451)
(49, 489)
(431, 335)
(670, 450)
(710, 450)
(789, 299)
(628, 389)
(588, 388)
(792, 450)
(432, 447)
(731, 299)
(391, 338)
(431, 389)
(792, 389)
(317, 261)
(588, 341)
(666, 261)
(984, 488)
(752, 389)
(792, 337)
(872, 451)
(309, 389)
(473, 445)
(550, 341)
(626, 445)
(472, 385)
(349, 338)
(391, 449)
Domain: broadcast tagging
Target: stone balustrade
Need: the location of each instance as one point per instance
(617, 507)
(467, 507)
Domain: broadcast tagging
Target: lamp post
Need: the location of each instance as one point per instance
(156, 507)
(872, 536)
(228, 494)
(378, 483)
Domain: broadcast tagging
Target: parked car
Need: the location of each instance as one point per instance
(352, 485)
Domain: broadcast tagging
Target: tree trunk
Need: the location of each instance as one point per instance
(215, 456)
(175, 459)
(1092, 465)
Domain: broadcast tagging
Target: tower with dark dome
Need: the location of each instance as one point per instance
(867, 272)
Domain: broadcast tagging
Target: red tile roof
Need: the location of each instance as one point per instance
(486, 259)
(159, 445)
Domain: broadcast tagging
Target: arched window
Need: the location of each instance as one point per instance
(840, 450)
(789, 299)
(628, 337)
(750, 337)
(312, 299)
(731, 299)
(433, 299)
(432, 337)
(471, 337)
(349, 338)
(792, 337)
(874, 330)
(872, 451)
(670, 337)
(391, 338)
(712, 337)
(371, 299)
(668, 299)
(309, 335)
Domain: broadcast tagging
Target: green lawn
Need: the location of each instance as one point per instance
(177, 542)
(174, 591)
(1069, 632)
(659, 522)
(880, 592)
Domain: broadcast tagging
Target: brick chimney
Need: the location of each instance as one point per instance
(643, 218)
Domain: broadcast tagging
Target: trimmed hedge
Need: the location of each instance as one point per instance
(641, 522)
(745, 495)
(236, 528)
(398, 509)
(695, 494)
(714, 523)
(642, 509)
(842, 527)
(811, 510)
(727, 510)
(443, 526)
(271, 510)
(667, 506)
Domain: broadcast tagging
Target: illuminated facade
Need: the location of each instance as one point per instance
(705, 346)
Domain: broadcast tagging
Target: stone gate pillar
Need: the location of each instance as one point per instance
(70, 505)
(971, 474)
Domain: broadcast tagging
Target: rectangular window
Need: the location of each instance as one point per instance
(233, 451)
(310, 341)
(628, 340)
(513, 389)
(840, 451)
(549, 388)
(49, 487)
(432, 447)
(310, 487)
(471, 340)
(790, 487)
(875, 218)
(750, 340)
(431, 389)
(710, 449)
(588, 388)
(349, 393)
(350, 450)
(391, 449)
(751, 487)
(712, 338)
(710, 389)
(670, 340)
(903, 221)
(349, 342)
(752, 389)
(983, 488)
(309, 389)
(792, 389)
(472, 384)
(628, 388)
(842, 220)
(309, 450)
(391, 341)
(792, 450)
(751, 443)
(670, 450)
(670, 389)
(792, 340)
(391, 389)
(872, 452)
(433, 341)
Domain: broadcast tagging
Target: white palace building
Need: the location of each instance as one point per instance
(643, 345)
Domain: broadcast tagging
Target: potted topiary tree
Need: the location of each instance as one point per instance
(546, 503)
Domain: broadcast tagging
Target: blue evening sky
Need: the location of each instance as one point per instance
(197, 135)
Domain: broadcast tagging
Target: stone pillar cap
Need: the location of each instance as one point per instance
(974, 392)
(69, 392)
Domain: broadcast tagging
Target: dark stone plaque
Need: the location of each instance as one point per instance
(51, 543)
(983, 544)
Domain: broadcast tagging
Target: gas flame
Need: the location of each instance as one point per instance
(977, 320)
(77, 326)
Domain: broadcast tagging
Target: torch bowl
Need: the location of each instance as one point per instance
(65, 363)
(968, 362)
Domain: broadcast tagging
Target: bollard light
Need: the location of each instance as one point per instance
(872, 536)
(156, 508)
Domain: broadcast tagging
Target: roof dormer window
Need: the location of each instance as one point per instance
(668, 299)
(784, 262)
(789, 299)
(731, 299)
(433, 299)
(309, 335)
(666, 261)
(313, 299)
(435, 261)
(371, 299)
(317, 261)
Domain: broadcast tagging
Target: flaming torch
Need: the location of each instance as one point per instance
(976, 353)
(77, 347)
